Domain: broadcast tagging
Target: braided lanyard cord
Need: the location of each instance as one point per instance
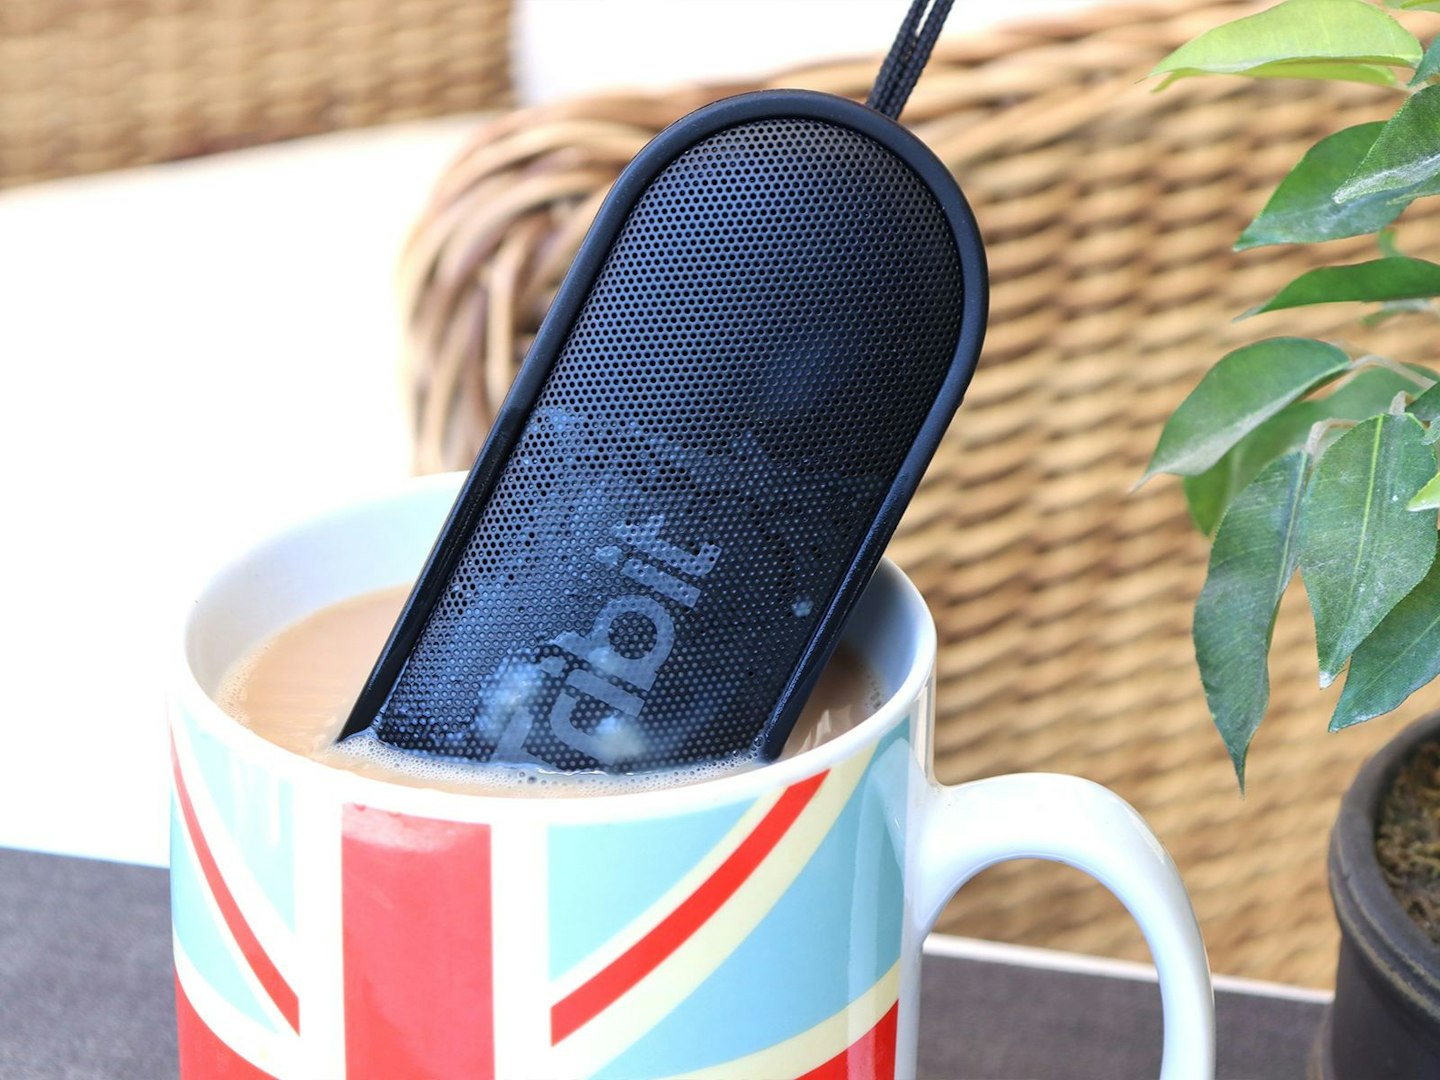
(907, 57)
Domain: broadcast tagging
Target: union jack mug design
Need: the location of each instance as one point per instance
(765, 924)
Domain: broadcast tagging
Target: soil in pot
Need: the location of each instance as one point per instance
(1407, 838)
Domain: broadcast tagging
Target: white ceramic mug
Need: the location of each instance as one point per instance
(763, 924)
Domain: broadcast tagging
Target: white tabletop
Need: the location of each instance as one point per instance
(192, 352)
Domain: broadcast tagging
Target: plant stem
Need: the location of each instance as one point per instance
(1374, 360)
(1318, 431)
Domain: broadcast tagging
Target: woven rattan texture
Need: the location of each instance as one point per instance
(88, 85)
(1063, 600)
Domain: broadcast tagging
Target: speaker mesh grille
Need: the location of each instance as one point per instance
(733, 402)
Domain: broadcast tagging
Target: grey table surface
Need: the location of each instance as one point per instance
(86, 991)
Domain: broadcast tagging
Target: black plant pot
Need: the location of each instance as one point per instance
(1385, 1022)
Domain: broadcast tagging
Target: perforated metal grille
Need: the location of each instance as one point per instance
(734, 400)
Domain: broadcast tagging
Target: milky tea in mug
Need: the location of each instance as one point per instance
(296, 689)
(764, 923)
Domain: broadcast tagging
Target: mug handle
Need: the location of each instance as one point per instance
(964, 829)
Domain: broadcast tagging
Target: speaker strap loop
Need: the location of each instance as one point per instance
(907, 57)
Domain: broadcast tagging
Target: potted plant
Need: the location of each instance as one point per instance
(1298, 455)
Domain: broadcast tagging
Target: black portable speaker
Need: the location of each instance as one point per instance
(727, 408)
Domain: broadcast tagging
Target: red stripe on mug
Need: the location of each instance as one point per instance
(871, 1057)
(591, 998)
(255, 955)
(419, 981)
(201, 1051)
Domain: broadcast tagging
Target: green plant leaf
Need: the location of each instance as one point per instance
(1243, 390)
(1405, 157)
(1324, 71)
(1421, 5)
(1429, 63)
(1427, 498)
(1368, 394)
(1361, 550)
(1426, 407)
(1301, 210)
(1251, 564)
(1402, 655)
(1296, 31)
(1393, 309)
(1397, 277)
(1209, 494)
(1318, 70)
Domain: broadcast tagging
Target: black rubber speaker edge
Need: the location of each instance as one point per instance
(555, 330)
